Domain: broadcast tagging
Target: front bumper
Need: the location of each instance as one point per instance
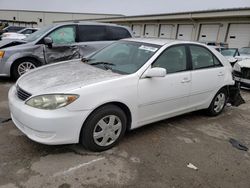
(243, 81)
(50, 127)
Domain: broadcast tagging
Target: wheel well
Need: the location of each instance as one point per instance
(21, 59)
(124, 108)
(226, 88)
(120, 105)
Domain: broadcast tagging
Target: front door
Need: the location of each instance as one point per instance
(64, 45)
(163, 97)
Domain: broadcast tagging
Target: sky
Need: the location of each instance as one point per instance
(125, 7)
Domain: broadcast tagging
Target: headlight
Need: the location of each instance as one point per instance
(1, 54)
(237, 67)
(5, 35)
(51, 102)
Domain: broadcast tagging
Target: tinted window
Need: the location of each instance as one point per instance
(27, 31)
(63, 35)
(202, 58)
(116, 33)
(173, 59)
(244, 51)
(13, 28)
(92, 33)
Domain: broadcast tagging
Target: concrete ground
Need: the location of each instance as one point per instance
(153, 156)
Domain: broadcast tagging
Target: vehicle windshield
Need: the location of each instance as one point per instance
(22, 30)
(124, 57)
(244, 51)
(228, 52)
(36, 35)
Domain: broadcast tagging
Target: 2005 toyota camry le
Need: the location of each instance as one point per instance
(130, 83)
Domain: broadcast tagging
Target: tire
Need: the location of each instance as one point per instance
(100, 124)
(218, 103)
(22, 66)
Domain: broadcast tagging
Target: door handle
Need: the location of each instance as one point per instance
(185, 80)
(221, 74)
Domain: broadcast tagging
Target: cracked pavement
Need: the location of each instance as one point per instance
(152, 156)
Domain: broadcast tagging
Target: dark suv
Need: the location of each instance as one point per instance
(54, 43)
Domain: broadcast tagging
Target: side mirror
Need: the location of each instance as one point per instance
(155, 72)
(232, 60)
(48, 41)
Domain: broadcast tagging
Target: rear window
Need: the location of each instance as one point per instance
(13, 28)
(117, 33)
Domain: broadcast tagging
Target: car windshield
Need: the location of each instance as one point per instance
(228, 52)
(244, 51)
(124, 57)
(22, 30)
(36, 35)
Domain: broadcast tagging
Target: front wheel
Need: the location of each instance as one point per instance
(218, 103)
(23, 66)
(103, 128)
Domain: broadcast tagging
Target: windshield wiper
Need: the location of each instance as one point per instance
(105, 64)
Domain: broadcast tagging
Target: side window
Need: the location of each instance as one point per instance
(202, 58)
(27, 31)
(172, 59)
(64, 35)
(117, 33)
(92, 33)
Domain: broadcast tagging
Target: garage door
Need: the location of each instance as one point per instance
(137, 30)
(185, 32)
(209, 32)
(166, 31)
(238, 35)
(150, 30)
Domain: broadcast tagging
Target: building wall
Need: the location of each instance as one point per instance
(45, 18)
(223, 24)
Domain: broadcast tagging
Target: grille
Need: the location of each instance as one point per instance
(237, 74)
(21, 94)
(245, 73)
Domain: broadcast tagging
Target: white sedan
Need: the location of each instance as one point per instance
(22, 34)
(131, 83)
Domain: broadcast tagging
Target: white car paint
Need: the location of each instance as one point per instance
(148, 99)
(18, 35)
(237, 67)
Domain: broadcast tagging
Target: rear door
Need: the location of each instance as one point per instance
(92, 38)
(207, 75)
(64, 45)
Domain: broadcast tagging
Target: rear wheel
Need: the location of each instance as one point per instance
(218, 103)
(103, 128)
(22, 66)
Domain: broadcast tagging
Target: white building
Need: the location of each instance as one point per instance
(42, 18)
(229, 25)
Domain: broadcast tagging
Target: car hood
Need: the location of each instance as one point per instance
(244, 63)
(9, 43)
(242, 57)
(63, 77)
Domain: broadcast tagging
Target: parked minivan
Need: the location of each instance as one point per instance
(54, 43)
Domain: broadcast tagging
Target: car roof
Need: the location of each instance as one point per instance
(161, 42)
(87, 23)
